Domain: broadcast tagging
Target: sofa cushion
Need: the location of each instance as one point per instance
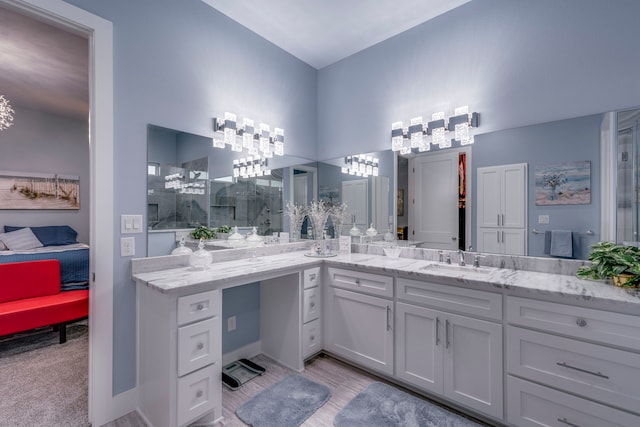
(50, 235)
(22, 315)
(21, 239)
(19, 280)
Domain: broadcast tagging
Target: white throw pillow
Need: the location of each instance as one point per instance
(20, 240)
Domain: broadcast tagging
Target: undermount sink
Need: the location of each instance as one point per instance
(453, 268)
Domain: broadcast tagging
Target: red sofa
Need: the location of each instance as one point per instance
(30, 298)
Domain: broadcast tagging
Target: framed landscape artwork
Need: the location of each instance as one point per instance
(563, 183)
(31, 190)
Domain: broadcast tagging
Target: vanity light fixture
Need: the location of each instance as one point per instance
(421, 135)
(261, 142)
(361, 165)
(6, 113)
(177, 182)
(250, 167)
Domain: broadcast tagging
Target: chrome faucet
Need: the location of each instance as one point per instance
(461, 258)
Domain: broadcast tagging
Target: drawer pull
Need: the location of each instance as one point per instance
(312, 304)
(312, 337)
(199, 394)
(597, 374)
(200, 307)
(312, 276)
(357, 281)
(200, 346)
(564, 421)
(581, 322)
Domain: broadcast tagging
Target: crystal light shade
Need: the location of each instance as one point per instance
(262, 142)
(396, 136)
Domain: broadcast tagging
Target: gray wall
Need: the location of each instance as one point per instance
(179, 63)
(46, 143)
(515, 62)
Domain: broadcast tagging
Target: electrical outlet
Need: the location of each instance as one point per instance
(127, 246)
(231, 323)
(543, 219)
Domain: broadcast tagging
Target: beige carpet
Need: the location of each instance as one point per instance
(43, 383)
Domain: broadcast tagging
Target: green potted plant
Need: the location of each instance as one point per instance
(203, 232)
(621, 263)
(223, 231)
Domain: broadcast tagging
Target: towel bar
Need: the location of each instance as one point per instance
(588, 232)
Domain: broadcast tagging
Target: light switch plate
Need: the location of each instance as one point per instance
(543, 219)
(130, 224)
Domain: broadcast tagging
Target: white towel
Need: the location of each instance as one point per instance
(561, 243)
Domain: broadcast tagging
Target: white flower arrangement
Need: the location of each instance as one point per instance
(339, 216)
(296, 215)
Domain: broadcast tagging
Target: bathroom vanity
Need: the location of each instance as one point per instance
(508, 345)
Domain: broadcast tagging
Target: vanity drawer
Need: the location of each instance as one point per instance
(597, 372)
(311, 338)
(468, 301)
(196, 345)
(197, 394)
(577, 322)
(374, 284)
(533, 405)
(311, 307)
(192, 308)
(311, 277)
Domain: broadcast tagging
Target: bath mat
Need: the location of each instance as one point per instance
(287, 403)
(382, 405)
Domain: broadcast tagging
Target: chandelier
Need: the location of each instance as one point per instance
(6, 113)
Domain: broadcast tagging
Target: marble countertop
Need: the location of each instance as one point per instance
(516, 282)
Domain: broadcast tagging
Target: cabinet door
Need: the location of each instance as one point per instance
(360, 329)
(419, 346)
(489, 240)
(489, 201)
(473, 369)
(514, 241)
(514, 196)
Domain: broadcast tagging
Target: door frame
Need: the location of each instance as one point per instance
(103, 406)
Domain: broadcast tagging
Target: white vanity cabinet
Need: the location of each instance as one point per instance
(359, 318)
(445, 352)
(179, 372)
(502, 209)
(571, 365)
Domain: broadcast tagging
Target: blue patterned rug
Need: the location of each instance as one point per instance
(381, 405)
(287, 403)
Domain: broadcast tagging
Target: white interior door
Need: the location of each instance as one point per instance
(433, 200)
(300, 186)
(380, 203)
(356, 194)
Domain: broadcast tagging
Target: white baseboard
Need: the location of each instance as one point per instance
(246, 352)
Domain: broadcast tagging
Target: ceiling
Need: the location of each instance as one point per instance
(323, 32)
(46, 68)
(43, 67)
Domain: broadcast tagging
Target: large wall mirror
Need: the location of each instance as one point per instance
(213, 198)
(190, 183)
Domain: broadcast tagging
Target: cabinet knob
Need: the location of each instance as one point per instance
(357, 281)
(200, 346)
(312, 337)
(581, 322)
(313, 304)
(312, 276)
(199, 393)
(200, 307)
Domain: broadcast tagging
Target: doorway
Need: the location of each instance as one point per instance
(439, 187)
(103, 406)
